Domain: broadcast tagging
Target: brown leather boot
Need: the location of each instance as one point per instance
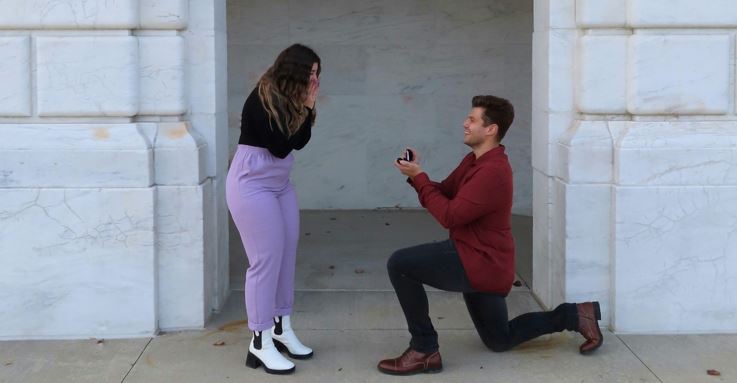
(589, 314)
(412, 362)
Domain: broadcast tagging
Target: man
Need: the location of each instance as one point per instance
(475, 204)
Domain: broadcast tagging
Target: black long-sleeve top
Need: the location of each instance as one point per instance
(255, 129)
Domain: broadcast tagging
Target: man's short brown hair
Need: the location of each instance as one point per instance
(497, 111)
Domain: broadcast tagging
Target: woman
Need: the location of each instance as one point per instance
(277, 117)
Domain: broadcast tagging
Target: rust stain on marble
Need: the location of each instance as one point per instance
(176, 131)
(101, 133)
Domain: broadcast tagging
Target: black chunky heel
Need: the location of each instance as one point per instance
(253, 361)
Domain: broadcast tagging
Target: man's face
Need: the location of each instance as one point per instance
(474, 131)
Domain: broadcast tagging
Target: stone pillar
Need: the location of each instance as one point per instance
(109, 177)
(553, 42)
(207, 94)
(643, 209)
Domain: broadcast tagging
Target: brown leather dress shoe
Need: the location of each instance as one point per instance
(589, 314)
(412, 362)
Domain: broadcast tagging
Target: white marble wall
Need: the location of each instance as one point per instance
(183, 212)
(181, 251)
(636, 176)
(207, 95)
(50, 14)
(553, 112)
(114, 146)
(161, 58)
(396, 74)
(583, 223)
(111, 116)
(15, 56)
(76, 232)
(69, 271)
(674, 204)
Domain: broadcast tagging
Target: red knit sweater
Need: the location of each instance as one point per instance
(475, 204)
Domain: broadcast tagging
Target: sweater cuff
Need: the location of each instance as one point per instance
(420, 180)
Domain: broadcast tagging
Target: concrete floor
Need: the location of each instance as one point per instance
(349, 315)
(361, 239)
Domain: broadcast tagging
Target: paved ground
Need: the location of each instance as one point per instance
(347, 313)
(360, 239)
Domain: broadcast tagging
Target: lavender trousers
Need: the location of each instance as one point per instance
(263, 204)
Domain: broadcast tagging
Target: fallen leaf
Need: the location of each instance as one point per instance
(100, 341)
(307, 234)
(219, 343)
(340, 369)
(517, 283)
(386, 224)
(441, 318)
(360, 271)
(713, 372)
(150, 361)
(333, 218)
(481, 368)
(8, 364)
(331, 267)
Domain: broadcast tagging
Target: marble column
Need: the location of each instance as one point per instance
(108, 184)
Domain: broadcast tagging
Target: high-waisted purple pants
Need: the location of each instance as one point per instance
(263, 204)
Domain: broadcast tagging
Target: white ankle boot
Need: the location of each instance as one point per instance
(286, 340)
(262, 352)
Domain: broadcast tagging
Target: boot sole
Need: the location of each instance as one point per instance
(283, 348)
(426, 371)
(254, 362)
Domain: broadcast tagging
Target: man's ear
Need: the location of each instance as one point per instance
(493, 130)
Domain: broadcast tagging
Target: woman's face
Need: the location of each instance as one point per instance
(313, 73)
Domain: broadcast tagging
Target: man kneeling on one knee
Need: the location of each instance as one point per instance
(475, 204)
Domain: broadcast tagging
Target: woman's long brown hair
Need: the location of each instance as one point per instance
(283, 88)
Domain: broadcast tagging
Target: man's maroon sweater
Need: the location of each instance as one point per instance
(475, 204)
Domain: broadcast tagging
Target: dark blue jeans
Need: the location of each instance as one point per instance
(437, 264)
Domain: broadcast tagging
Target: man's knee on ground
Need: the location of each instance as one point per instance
(496, 346)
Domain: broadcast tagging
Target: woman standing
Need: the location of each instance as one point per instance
(277, 117)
